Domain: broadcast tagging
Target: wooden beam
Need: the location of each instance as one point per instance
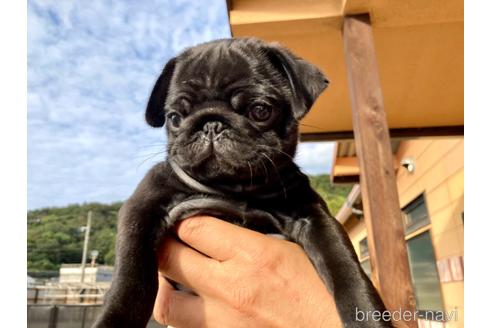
(343, 166)
(346, 169)
(387, 247)
(436, 131)
(333, 161)
(346, 179)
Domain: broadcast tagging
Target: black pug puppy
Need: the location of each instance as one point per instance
(232, 109)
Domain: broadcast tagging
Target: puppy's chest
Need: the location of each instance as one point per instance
(263, 216)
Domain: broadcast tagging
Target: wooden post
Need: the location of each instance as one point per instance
(386, 240)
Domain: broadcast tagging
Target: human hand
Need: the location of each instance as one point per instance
(242, 278)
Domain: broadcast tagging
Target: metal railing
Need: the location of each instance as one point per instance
(66, 316)
(67, 294)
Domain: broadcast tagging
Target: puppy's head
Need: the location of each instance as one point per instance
(232, 107)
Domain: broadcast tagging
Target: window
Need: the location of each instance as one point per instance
(422, 260)
(425, 279)
(366, 266)
(365, 262)
(363, 248)
(415, 215)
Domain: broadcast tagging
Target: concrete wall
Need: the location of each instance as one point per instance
(91, 274)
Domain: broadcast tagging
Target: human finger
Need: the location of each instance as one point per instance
(177, 308)
(187, 266)
(219, 239)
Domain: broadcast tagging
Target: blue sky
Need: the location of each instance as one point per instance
(91, 66)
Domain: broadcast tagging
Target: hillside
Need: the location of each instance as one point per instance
(54, 235)
(333, 195)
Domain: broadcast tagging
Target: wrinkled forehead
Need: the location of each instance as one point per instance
(217, 65)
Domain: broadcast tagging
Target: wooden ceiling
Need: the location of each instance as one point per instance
(419, 46)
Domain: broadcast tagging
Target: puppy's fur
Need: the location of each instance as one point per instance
(232, 109)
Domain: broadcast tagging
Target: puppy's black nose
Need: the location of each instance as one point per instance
(213, 128)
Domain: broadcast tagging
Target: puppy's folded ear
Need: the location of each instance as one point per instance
(155, 115)
(306, 80)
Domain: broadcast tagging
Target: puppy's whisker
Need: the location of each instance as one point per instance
(148, 153)
(277, 150)
(265, 169)
(149, 157)
(152, 146)
(154, 143)
(278, 174)
(250, 174)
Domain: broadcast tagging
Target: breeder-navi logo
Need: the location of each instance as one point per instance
(405, 315)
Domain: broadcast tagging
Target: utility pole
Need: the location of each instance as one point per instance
(86, 244)
(94, 255)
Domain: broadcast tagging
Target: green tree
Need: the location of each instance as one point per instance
(334, 196)
(54, 235)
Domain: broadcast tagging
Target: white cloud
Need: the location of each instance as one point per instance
(90, 70)
(315, 157)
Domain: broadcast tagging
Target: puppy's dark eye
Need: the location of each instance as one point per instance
(260, 113)
(174, 119)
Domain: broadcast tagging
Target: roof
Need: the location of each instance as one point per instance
(346, 148)
(345, 168)
(419, 46)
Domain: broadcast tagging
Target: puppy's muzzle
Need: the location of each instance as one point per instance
(211, 122)
(213, 129)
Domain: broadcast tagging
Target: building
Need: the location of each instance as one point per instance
(70, 290)
(396, 94)
(72, 273)
(31, 282)
(430, 177)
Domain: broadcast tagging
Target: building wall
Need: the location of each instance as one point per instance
(91, 274)
(439, 175)
(356, 230)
